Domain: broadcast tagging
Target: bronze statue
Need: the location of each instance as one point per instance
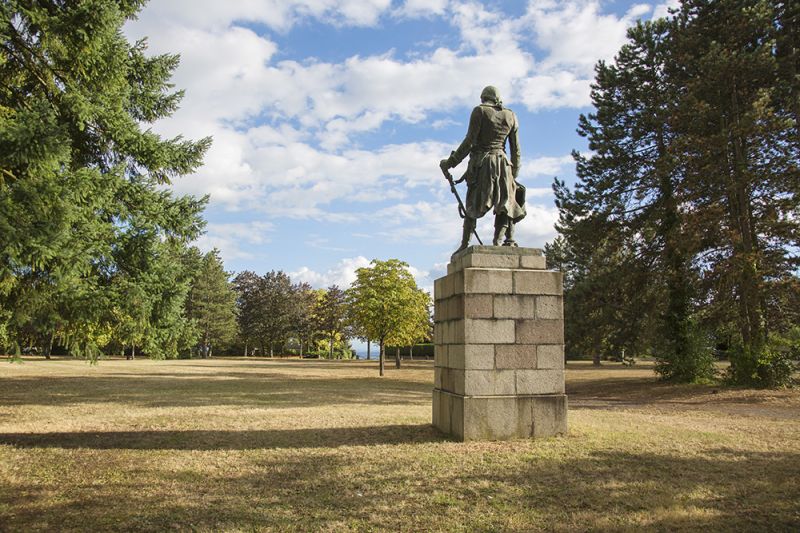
(491, 178)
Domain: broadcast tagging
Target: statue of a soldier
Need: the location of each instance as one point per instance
(491, 178)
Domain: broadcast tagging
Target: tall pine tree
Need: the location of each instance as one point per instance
(212, 304)
(736, 61)
(84, 219)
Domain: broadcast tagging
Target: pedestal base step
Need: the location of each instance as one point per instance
(469, 418)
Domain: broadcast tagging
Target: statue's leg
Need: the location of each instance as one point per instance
(510, 234)
(501, 223)
(469, 227)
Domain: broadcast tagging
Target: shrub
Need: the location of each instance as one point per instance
(772, 367)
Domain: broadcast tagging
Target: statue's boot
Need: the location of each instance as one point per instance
(466, 233)
(500, 228)
(510, 235)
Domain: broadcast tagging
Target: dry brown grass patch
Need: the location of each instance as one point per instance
(242, 444)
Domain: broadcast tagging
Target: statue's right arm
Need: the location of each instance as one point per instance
(513, 147)
(469, 141)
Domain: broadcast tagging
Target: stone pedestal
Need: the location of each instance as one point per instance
(499, 346)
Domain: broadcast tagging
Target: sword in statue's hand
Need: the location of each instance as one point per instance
(461, 211)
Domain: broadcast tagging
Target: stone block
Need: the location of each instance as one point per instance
(456, 282)
(489, 382)
(439, 310)
(440, 354)
(436, 417)
(514, 306)
(549, 414)
(540, 381)
(448, 332)
(490, 261)
(454, 265)
(501, 419)
(438, 289)
(535, 262)
(455, 307)
(550, 356)
(437, 377)
(539, 282)
(456, 415)
(476, 420)
(453, 380)
(455, 357)
(487, 281)
(515, 356)
(477, 305)
(447, 286)
(471, 356)
(451, 308)
(549, 307)
(488, 331)
(540, 332)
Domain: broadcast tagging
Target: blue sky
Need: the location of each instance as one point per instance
(329, 118)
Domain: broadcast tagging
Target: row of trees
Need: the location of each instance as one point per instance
(383, 305)
(681, 236)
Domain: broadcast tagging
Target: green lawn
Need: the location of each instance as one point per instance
(242, 444)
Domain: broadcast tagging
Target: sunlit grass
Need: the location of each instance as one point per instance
(240, 444)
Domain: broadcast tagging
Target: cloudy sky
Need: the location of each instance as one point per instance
(329, 118)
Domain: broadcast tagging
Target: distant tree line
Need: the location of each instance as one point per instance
(383, 305)
(680, 238)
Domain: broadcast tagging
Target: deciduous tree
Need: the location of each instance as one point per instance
(386, 303)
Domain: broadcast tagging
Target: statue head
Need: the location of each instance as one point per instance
(491, 94)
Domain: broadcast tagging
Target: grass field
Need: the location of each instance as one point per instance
(241, 444)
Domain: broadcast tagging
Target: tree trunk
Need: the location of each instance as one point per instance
(381, 357)
(300, 351)
(271, 349)
(368, 346)
(330, 352)
(411, 352)
(745, 253)
(133, 351)
(596, 359)
(245, 348)
(50, 344)
(397, 357)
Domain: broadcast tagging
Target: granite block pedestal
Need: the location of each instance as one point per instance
(499, 346)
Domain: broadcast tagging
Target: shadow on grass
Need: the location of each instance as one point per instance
(227, 440)
(270, 390)
(443, 489)
(631, 391)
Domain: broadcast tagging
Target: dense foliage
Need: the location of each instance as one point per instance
(93, 248)
(680, 237)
